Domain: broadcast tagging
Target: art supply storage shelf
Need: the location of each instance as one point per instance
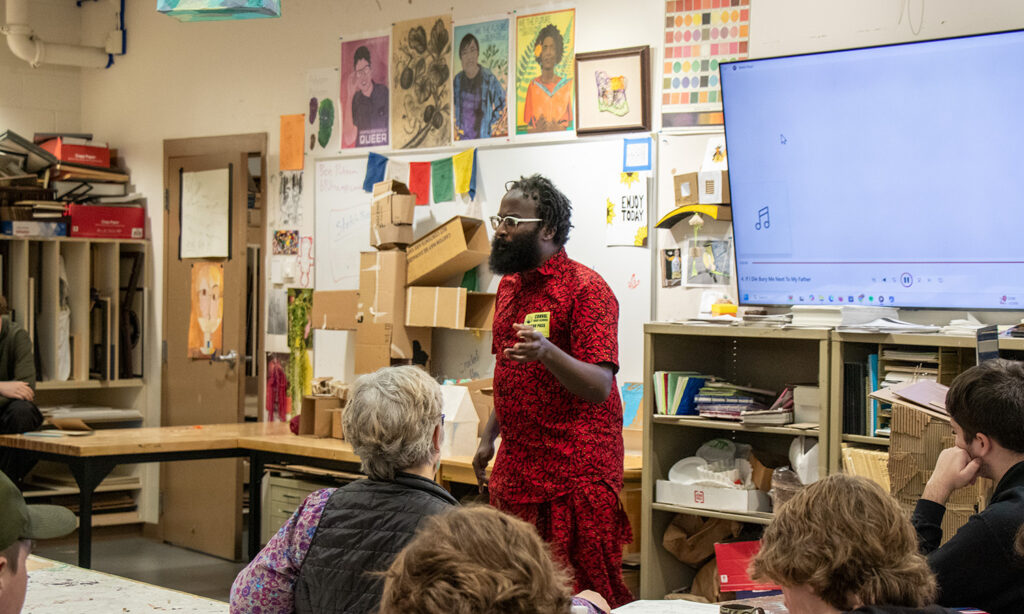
(902, 355)
(768, 358)
(83, 302)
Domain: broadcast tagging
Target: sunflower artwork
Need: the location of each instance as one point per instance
(421, 82)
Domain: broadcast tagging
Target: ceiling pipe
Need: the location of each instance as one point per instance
(26, 46)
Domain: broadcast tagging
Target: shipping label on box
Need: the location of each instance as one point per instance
(334, 309)
(724, 499)
(315, 419)
(381, 288)
(449, 250)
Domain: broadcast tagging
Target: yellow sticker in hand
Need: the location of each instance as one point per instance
(540, 321)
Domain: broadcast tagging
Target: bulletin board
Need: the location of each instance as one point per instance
(586, 171)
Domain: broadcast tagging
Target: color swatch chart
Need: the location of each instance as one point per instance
(698, 35)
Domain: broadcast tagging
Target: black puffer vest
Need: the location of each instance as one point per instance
(364, 525)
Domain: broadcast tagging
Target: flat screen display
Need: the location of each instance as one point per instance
(888, 175)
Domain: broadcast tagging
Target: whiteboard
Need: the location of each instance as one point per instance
(342, 218)
(586, 170)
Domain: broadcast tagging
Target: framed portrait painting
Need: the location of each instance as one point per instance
(613, 90)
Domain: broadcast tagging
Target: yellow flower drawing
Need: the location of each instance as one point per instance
(640, 239)
(611, 210)
(628, 179)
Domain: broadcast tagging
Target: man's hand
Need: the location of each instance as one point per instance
(483, 456)
(17, 390)
(532, 345)
(954, 469)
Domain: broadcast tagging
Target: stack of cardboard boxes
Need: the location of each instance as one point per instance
(406, 287)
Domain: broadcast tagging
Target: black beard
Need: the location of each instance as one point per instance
(515, 255)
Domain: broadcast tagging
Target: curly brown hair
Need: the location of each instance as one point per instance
(475, 560)
(847, 540)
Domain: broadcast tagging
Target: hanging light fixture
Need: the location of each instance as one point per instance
(218, 10)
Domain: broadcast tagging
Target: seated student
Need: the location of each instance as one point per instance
(844, 544)
(19, 525)
(478, 560)
(323, 558)
(977, 567)
(18, 413)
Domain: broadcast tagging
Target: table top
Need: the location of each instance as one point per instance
(286, 443)
(108, 442)
(60, 588)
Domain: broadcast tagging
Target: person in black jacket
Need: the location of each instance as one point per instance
(18, 412)
(978, 567)
(843, 544)
(325, 557)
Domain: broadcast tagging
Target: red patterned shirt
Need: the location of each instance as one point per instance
(552, 439)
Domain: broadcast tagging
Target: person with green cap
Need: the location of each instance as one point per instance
(19, 525)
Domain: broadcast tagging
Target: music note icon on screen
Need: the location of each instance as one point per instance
(762, 219)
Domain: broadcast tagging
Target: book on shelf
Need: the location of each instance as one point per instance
(674, 391)
(872, 407)
(67, 171)
(854, 398)
(767, 417)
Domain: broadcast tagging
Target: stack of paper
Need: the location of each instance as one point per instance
(839, 315)
(888, 325)
(925, 396)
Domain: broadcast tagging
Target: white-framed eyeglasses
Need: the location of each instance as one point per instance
(512, 221)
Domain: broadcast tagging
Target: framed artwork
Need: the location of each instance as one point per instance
(545, 44)
(613, 90)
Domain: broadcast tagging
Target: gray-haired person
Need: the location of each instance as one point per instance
(323, 558)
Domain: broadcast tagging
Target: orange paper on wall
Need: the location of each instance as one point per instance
(292, 135)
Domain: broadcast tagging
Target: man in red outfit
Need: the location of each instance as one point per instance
(555, 338)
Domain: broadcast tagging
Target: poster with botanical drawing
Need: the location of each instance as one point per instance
(364, 92)
(421, 56)
(322, 133)
(205, 333)
(708, 262)
(479, 90)
(545, 69)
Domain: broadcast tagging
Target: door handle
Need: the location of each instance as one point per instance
(231, 357)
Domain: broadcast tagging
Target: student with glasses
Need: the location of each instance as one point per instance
(555, 338)
(325, 557)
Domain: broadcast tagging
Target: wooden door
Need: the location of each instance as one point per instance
(201, 501)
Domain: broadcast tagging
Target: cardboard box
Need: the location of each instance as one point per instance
(381, 345)
(334, 309)
(632, 503)
(449, 250)
(723, 499)
(79, 151)
(315, 419)
(391, 215)
(685, 189)
(448, 308)
(713, 188)
(34, 229)
(381, 288)
(337, 430)
(102, 222)
(481, 392)
(460, 423)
